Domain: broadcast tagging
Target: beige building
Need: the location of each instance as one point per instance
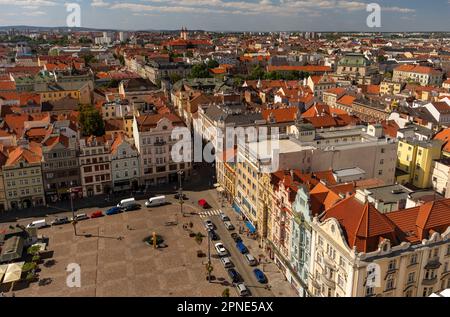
(22, 177)
(95, 165)
(359, 252)
(440, 176)
(153, 139)
(388, 87)
(420, 74)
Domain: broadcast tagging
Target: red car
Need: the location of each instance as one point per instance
(97, 214)
(202, 203)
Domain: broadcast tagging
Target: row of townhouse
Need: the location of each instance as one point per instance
(327, 237)
(330, 241)
(37, 173)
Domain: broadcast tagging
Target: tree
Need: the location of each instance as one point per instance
(212, 64)
(256, 73)
(91, 121)
(226, 292)
(200, 71)
(199, 237)
(88, 58)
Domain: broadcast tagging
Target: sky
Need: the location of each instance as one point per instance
(233, 15)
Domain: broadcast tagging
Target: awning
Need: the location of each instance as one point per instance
(13, 273)
(236, 208)
(250, 226)
(3, 269)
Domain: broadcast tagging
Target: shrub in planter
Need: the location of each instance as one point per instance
(30, 277)
(36, 258)
(28, 267)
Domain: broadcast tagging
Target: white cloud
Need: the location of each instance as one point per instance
(99, 3)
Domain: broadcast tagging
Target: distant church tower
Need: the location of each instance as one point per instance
(184, 33)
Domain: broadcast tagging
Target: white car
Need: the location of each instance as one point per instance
(224, 217)
(221, 251)
(226, 262)
(242, 289)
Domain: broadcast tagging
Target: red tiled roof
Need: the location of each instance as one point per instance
(416, 69)
(308, 68)
(280, 114)
(362, 223)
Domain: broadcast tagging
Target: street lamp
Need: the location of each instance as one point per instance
(180, 191)
(74, 222)
(209, 255)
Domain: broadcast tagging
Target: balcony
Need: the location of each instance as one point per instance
(159, 143)
(328, 281)
(430, 281)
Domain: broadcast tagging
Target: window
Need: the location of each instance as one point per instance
(390, 282)
(411, 277)
(427, 291)
(391, 266)
(413, 259)
(369, 291)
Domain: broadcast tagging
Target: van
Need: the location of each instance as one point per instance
(125, 202)
(38, 224)
(156, 201)
(250, 259)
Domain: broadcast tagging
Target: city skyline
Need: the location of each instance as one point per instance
(224, 15)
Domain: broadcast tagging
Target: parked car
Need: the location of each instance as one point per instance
(260, 276)
(79, 217)
(202, 203)
(234, 275)
(241, 247)
(38, 224)
(221, 251)
(132, 207)
(226, 262)
(209, 225)
(60, 221)
(228, 225)
(242, 290)
(236, 237)
(97, 214)
(250, 259)
(224, 217)
(113, 211)
(214, 236)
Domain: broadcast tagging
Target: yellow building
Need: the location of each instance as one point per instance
(415, 161)
(226, 172)
(388, 87)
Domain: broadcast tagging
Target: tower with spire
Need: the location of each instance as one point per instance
(184, 33)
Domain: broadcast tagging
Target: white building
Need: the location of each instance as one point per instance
(124, 164)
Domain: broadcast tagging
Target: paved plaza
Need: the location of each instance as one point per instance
(115, 261)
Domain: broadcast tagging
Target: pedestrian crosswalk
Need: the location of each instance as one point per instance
(209, 213)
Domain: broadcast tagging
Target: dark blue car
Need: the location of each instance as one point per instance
(260, 276)
(241, 247)
(113, 211)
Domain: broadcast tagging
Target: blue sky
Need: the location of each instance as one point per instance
(233, 15)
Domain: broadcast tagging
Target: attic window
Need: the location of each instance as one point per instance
(164, 127)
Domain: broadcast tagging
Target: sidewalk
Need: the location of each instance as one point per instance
(277, 281)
